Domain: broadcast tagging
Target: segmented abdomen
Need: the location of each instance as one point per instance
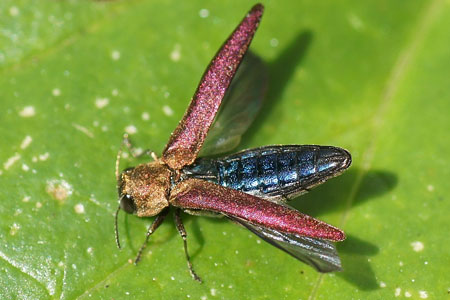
(273, 171)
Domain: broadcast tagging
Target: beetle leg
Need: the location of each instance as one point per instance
(183, 234)
(158, 221)
(134, 151)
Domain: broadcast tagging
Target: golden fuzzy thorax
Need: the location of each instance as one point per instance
(148, 185)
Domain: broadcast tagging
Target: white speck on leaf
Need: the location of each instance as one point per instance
(26, 142)
(408, 294)
(83, 130)
(423, 294)
(397, 292)
(26, 199)
(27, 111)
(131, 129)
(38, 204)
(115, 55)
(101, 102)
(430, 188)
(203, 13)
(115, 92)
(382, 284)
(25, 167)
(79, 208)
(213, 292)
(167, 110)
(417, 246)
(56, 92)
(175, 55)
(11, 161)
(14, 11)
(14, 228)
(44, 156)
(145, 116)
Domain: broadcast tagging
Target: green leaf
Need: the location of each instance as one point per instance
(371, 77)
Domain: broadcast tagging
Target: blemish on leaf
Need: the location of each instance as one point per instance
(44, 156)
(274, 42)
(408, 294)
(175, 55)
(115, 55)
(101, 102)
(131, 129)
(213, 292)
(79, 208)
(397, 292)
(26, 142)
(56, 92)
(382, 284)
(417, 246)
(26, 199)
(115, 92)
(423, 294)
(59, 189)
(203, 13)
(14, 228)
(27, 111)
(430, 188)
(83, 130)
(8, 164)
(25, 167)
(167, 110)
(14, 11)
(355, 22)
(145, 116)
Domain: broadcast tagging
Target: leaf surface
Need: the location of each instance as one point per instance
(369, 77)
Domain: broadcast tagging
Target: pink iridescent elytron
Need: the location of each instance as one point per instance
(187, 139)
(151, 189)
(202, 195)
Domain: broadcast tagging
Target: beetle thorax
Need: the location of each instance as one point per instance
(148, 186)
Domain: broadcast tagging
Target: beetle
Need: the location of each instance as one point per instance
(251, 187)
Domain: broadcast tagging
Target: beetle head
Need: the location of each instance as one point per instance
(143, 190)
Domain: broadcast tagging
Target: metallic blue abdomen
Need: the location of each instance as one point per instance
(273, 171)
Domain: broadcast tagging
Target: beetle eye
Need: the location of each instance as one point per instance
(127, 204)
